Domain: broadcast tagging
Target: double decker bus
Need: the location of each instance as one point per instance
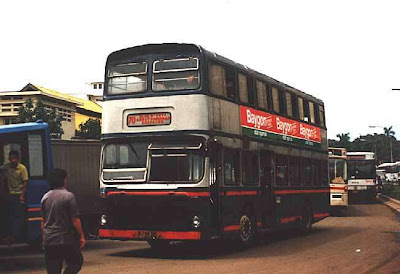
(362, 174)
(198, 147)
(338, 178)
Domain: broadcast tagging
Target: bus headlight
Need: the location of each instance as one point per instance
(196, 222)
(103, 219)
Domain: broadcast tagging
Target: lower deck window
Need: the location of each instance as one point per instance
(179, 166)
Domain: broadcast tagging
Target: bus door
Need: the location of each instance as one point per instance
(215, 184)
(266, 172)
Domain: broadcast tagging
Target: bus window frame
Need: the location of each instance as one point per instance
(140, 59)
(285, 159)
(22, 140)
(256, 168)
(267, 95)
(282, 102)
(239, 167)
(208, 80)
(151, 73)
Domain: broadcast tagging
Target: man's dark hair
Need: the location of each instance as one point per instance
(57, 177)
(14, 153)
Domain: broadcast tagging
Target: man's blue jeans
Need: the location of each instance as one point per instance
(16, 216)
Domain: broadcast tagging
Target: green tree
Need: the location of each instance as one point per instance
(344, 140)
(91, 129)
(30, 113)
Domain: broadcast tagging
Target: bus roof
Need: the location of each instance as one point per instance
(360, 155)
(179, 48)
(386, 165)
(14, 128)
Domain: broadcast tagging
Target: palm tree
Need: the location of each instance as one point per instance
(344, 140)
(389, 133)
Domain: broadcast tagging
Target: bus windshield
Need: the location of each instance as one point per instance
(152, 162)
(337, 169)
(361, 169)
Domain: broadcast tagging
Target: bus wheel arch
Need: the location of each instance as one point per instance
(247, 226)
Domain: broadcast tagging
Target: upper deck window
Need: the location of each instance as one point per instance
(262, 94)
(222, 81)
(127, 78)
(275, 99)
(321, 116)
(176, 74)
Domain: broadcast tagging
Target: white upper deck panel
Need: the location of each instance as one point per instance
(188, 112)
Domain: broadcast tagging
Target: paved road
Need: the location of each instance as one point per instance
(372, 229)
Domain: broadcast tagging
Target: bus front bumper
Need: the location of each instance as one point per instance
(148, 235)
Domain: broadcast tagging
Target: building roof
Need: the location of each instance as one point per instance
(81, 103)
(89, 105)
(51, 93)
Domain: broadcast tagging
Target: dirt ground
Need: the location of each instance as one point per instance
(365, 240)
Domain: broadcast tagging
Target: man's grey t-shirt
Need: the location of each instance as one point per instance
(58, 208)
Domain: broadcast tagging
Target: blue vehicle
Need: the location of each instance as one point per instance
(32, 141)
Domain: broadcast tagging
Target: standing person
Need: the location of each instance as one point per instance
(4, 204)
(62, 232)
(17, 176)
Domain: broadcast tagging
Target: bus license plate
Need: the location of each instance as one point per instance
(147, 235)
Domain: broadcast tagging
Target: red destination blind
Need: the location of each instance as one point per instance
(149, 119)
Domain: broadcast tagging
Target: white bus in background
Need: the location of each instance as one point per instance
(361, 174)
(338, 179)
(391, 171)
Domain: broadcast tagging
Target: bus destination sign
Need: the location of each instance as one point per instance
(149, 119)
(269, 126)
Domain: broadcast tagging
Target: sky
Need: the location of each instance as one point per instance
(346, 53)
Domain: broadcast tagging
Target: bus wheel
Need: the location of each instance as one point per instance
(307, 220)
(247, 230)
(159, 245)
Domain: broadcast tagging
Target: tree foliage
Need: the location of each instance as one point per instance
(383, 144)
(32, 113)
(91, 129)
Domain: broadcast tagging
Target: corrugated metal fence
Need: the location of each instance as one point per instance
(81, 160)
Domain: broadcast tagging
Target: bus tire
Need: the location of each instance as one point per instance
(159, 245)
(247, 230)
(307, 220)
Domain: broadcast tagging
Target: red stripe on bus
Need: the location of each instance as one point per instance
(34, 209)
(321, 215)
(241, 193)
(160, 193)
(231, 228)
(290, 219)
(337, 187)
(259, 224)
(145, 234)
(296, 191)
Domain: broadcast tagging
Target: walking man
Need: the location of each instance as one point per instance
(62, 232)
